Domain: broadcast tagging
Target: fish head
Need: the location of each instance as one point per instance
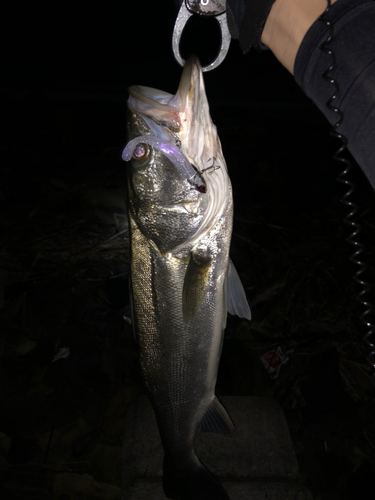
(166, 204)
(178, 185)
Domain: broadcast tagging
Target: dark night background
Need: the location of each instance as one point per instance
(65, 251)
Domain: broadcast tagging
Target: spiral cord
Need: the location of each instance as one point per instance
(350, 218)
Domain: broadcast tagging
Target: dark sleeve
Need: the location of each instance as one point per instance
(353, 45)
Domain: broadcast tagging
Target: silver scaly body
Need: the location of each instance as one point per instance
(182, 279)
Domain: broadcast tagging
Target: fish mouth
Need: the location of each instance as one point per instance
(185, 114)
(188, 84)
(164, 101)
(197, 132)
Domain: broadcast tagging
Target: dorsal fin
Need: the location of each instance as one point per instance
(236, 297)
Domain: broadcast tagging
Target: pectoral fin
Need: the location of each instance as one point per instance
(236, 297)
(195, 286)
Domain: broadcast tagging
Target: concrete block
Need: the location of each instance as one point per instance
(260, 448)
(259, 460)
(236, 490)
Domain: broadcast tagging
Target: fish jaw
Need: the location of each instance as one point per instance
(198, 134)
(200, 142)
(184, 116)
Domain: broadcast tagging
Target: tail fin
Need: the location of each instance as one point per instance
(196, 484)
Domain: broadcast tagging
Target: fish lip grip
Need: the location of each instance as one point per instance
(207, 8)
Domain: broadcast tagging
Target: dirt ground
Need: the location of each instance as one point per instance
(69, 364)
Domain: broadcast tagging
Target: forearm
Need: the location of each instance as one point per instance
(353, 45)
(286, 26)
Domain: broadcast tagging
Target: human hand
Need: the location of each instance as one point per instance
(246, 21)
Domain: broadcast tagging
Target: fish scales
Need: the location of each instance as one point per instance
(180, 210)
(188, 350)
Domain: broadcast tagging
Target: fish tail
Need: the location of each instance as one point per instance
(195, 484)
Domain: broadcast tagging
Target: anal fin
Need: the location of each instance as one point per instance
(216, 419)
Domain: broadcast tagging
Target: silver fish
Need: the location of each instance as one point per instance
(180, 209)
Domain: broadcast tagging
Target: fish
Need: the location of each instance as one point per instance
(180, 209)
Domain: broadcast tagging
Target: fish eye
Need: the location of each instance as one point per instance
(141, 153)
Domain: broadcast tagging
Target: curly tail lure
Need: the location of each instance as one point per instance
(350, 218)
